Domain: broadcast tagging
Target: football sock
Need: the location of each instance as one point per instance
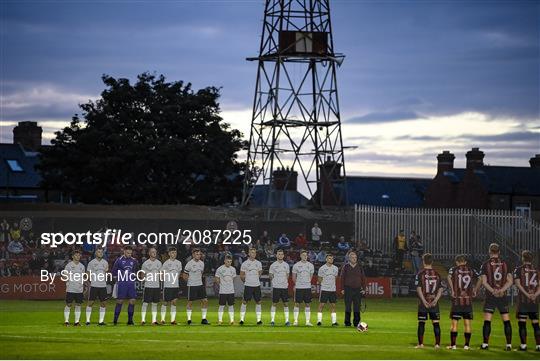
(220, 313)
(67, 310)
(258, 311)
(437, 331)
(420, 333)
(536, 328)
(319, 317)
(131, 310)
(204, 311)
(508, 331)
(453, 337)
(296, 310)
(286, 313)
(242, 311)
(77, 313)
(522, 325)
(273, 313)
(143, 311)
(307, 312)
(102, 314)
(334, 317)
(117, 310)
(173, 313)
(467, 338)
(154, 312)
(486, 331)
(188, 311)
(88, 313)
(163, 312)
(231, 313)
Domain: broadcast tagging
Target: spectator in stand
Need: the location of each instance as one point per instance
(264, 238)
(283, 242)
(35, 264)
(312, 256)
(4, 269)
(15, 246)
(316, 234)
(15, 232)
(259, 247)
(416, 250)
(5, 237)
(343, 246)
(334, 240)
(321, 256)
(4, 254)
(269, 250)
(300, 242)
(400, 244)
(16, 270)
(362, 245)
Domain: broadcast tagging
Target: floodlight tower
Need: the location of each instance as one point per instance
(295, 128)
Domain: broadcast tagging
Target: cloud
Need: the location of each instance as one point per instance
(384, 117)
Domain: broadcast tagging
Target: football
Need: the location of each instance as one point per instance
(362, 327)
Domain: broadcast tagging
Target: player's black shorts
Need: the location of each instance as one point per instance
(432, 312)
(280, 294)
(459, 312)
(196, 293)
(170, 293)
(302, 295)
(74, 297)
(97, 293)
(327, 296)
(252, 292)
(496, 303)
(527, 310)
(151, 295)
(226, 299)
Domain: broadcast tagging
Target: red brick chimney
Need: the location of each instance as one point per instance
(535, 161)
(285, 179)
(475, 159)
(28, 134)
(445, 162)
(330, 171)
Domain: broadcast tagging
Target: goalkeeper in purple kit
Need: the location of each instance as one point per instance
(124, 272)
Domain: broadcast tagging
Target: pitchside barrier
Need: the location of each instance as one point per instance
(33, 288)
(448, 232)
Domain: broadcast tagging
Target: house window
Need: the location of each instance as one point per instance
(14, 165)
(523, 210)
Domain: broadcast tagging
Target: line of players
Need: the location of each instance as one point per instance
(464, 283)
(250, 272)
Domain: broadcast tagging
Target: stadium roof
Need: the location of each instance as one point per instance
(387, 191)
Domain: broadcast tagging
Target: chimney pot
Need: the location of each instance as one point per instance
(535, 161)
(445, 162)
(475, 159)
(28, 135)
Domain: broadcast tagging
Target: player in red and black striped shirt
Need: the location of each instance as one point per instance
(464, 283)
(496, 280)
(526, 278)
(429, 290)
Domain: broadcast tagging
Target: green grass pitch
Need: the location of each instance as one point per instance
(34, 329)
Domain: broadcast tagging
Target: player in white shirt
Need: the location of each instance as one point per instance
(74, 272)
(152, 292)
(171, 271)
(302, 273)
(97, 271)
(279, 275)
(250, 273)
(327, 279)
(193, 275)
(225, 275)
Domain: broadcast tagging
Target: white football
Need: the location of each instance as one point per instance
(362, 327)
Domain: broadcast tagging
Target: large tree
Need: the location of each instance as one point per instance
(150, 142)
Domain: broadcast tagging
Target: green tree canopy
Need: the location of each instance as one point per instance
(150, 142)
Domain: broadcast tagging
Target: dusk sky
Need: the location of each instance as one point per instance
(419, 76)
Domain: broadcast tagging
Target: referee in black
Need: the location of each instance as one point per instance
(353, 281)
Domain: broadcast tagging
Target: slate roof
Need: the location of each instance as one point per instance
(28, 178)
(387, 191)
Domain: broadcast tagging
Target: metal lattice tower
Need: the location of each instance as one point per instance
(296, 127)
